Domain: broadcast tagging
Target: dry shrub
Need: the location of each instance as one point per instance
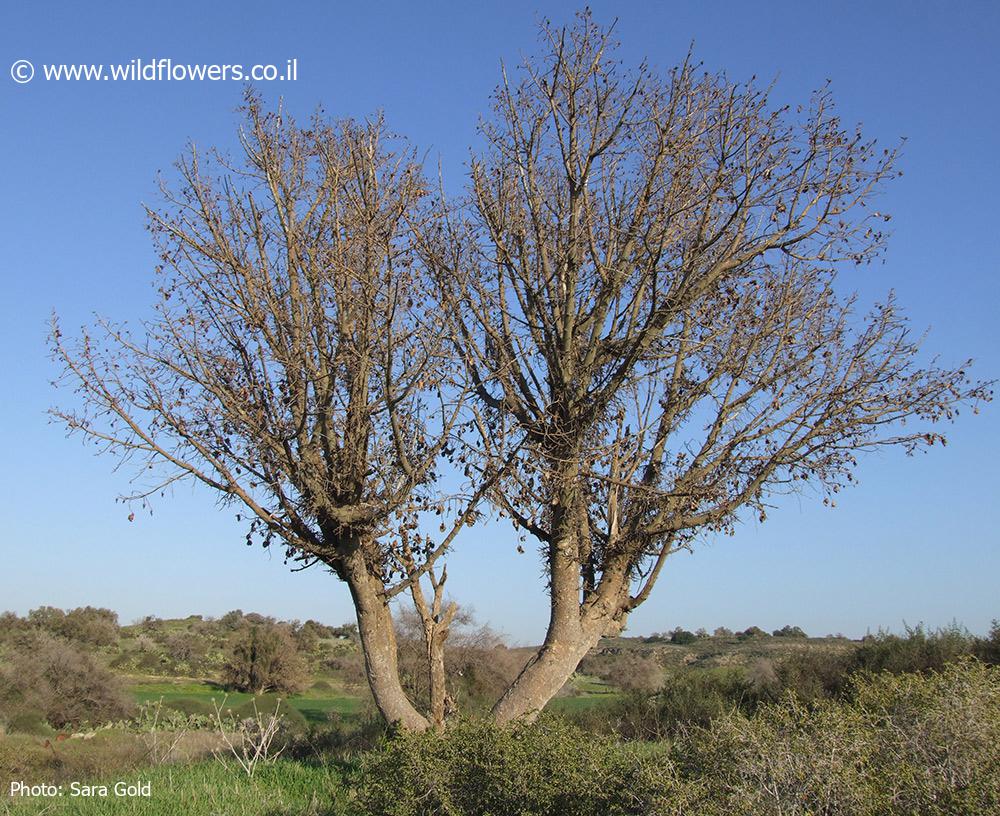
(349, 667)
(478, 665)
(629, 671)
(265, 657)
(62, 683)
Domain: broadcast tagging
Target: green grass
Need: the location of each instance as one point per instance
(205, 789)
(584, 693)
(313, 707)
(585, 684)
(585, 702)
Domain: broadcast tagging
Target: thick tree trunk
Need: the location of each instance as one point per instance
(575, 626)
(545, 674)
(378, 641)
(571, 634)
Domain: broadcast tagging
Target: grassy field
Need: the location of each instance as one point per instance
(314, 706)
(204, 789)
(583, 693)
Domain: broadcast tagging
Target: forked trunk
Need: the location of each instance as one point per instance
(378, 641)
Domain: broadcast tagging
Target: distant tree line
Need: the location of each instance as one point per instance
(683, 637)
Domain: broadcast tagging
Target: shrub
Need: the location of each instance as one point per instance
(696, 697)
(12, 627)
(902, 744)
(631, 671)
(682, 637)
(478, 666)
(348, 666)
(751, 632)
(919, 650)
(815, 674)
(64, 684)
(264, 657)
(94, 627)
(478, 768)
(688, 697)
(232, 620)
(186, 648)
(346, 631)
(788, 759)
(988, 649)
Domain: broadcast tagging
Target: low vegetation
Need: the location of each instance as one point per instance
(727, 723)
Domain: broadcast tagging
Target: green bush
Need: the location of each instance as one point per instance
(688, 697)
(918, 650)
(988, 649)
(815, 674)
(790, 632)
(480, 769)
(902, 744)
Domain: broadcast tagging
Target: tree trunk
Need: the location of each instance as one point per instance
(575, 626)
(570, 635)
(378, 641)
(545, 674)
(436, 677)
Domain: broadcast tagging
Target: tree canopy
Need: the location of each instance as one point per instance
(628, 331)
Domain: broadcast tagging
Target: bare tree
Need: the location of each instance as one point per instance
(479, 666)
(643, 287)
(641, 292)
(293, 364)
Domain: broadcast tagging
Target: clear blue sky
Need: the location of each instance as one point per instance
(916, 541)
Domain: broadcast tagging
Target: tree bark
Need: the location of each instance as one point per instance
(577, 619)
(437, 678)
(544, 675)
(378, 642)
(574, 629)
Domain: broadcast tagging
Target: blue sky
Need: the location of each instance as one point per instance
(916, 541)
